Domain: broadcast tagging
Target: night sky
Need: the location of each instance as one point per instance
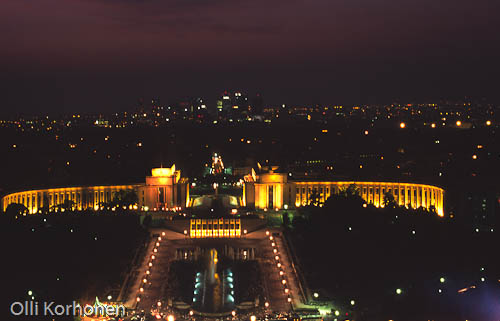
(102, 55)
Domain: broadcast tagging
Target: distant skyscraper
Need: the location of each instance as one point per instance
(257, 105)
(232, 105)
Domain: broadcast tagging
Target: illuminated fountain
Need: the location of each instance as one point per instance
(212, 267)
(213, 293)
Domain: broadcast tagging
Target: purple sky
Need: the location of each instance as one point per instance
(68, 55)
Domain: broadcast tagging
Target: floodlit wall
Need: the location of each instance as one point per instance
(163, 190)
(273, 191)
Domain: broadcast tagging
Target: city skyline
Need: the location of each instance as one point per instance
(76, 56)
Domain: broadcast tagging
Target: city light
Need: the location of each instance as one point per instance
(459, 123)
(170, 318)
(402, 125)
(399, 291)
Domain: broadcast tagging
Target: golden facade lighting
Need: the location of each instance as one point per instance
(215, 228)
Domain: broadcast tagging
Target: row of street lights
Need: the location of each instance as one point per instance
(147, 273)
(280, 268)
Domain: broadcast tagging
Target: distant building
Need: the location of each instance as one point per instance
(164, 189)
(272, 190)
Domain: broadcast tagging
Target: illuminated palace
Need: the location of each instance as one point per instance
(164, 189)
(271, 190)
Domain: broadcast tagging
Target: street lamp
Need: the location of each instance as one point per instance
(253, 318)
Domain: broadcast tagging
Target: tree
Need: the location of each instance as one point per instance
(314, 198)
(125, 198)
(14, 210)
(68, 205)
(349, 191)
(286, 219)
(389, 200)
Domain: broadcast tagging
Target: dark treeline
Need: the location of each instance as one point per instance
(68, 256)
(349, 251)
